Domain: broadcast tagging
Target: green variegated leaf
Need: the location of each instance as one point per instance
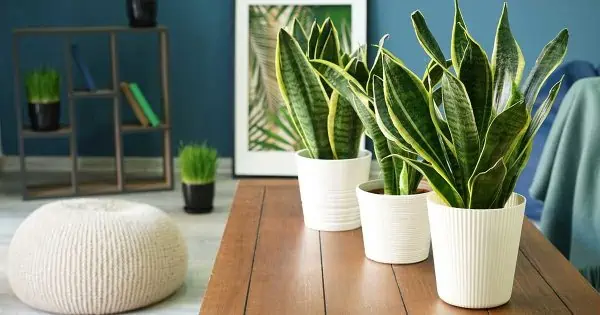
(441, 185)
(345, 59)
(459, 39)
(313, 39)
(303, 94)
(486, 186)
(300, 35)
(328, 45)
(550, 58)
(377, 67)
(507, 62)
(476, 76)
(461, 123)
(408, 105)
(360, 72)
(543, 111)
(344, 128)
(502, 135)
(398, 168)
(384, 120)
(426, 38)
(339, 79)
(511, 178)
(433, 74)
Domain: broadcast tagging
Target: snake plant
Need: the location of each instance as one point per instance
(475, 153)
(470, 119)
(399, 177)
(327, 124)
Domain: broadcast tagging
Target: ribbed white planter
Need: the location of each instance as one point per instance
(327, 190)
(395, 229)
(475, 252)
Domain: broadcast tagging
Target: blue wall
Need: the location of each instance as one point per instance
(202, 56)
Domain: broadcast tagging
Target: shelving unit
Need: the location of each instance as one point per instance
(120, 182)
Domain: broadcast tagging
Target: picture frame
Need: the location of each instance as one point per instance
(258, 113)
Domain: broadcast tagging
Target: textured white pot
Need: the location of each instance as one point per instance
(475, 252)
(327, 190)
(395, 229)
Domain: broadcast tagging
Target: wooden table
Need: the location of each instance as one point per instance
(269, 263)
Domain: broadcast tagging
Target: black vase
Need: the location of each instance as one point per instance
(44, 117)
(198, 198)
(142, 13)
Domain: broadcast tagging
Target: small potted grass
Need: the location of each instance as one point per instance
(198, 165)
(43, 95)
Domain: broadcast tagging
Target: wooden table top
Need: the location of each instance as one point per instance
(269, 263)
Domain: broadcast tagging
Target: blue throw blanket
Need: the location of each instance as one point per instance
(567, 180)
(573, 71)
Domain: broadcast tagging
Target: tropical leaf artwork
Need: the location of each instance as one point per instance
(270, 127)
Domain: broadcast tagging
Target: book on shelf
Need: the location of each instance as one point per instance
(143, 102)
(83, 68)
(135, 106)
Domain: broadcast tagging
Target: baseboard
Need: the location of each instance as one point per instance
(107, 164)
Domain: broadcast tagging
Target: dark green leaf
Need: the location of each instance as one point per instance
(507, 62)
(384, 120)
(313, 39)
(459, 40)
(408, 105)
(550, 58)
(476, 76)
(300, 35)
(502, 135)
(461, 123)
(512, 176)
(344, 128)
(433, 74)
(486, 186)
(441, 185)
(543, 111)
(426, 38)
(304, 95)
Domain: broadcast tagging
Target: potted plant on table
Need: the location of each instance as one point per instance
(43, 94)
(198, 165)
(474, 151)
(332, 165)
(393, 210)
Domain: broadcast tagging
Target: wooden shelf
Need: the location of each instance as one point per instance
(63, 131)
(118, 181)
(93, 94)
(132, 128)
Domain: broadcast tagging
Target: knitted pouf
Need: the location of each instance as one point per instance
(93, 256)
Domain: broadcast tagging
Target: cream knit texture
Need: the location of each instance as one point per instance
(96, 256)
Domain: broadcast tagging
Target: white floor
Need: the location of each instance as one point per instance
(203, 234)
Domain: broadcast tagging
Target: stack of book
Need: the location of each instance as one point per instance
(140, 106)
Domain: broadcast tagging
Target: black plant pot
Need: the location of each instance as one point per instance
(142, 13)
(44, 117)
(198, 198)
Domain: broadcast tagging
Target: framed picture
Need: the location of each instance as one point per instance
(265, 139)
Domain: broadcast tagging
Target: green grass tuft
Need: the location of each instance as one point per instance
(198, 163)
(43, 86)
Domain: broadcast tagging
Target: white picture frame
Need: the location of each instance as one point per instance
(249, 163)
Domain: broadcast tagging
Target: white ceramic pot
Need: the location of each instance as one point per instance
(475, 252)
(395, 229)
(327, 190)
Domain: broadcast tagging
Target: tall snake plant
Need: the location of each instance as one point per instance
(469, 119)
(326, 122)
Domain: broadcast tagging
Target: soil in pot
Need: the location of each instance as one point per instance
(198, 198)
(44, 117)
(142, 13)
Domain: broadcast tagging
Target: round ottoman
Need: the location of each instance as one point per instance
(96, 256)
